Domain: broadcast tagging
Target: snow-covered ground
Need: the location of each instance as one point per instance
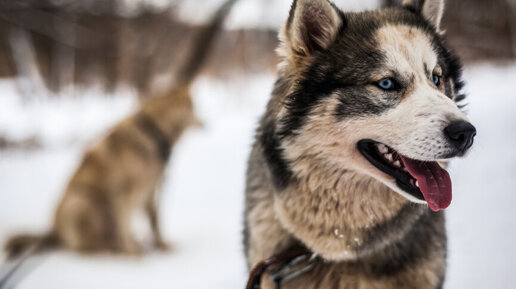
(203, 195)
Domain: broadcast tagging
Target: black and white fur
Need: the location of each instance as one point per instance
(309, 185)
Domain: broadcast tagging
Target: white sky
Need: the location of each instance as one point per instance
(247, 13)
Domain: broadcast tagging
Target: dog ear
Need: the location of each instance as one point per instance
(312, 26)
(432, 10)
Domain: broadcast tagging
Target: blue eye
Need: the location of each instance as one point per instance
(386, 84)
(437, 80)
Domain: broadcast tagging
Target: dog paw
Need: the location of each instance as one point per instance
(162, 245)
(132, 248)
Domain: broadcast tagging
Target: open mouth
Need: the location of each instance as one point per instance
(423, 180)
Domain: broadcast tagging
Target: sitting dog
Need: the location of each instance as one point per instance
(121, 173)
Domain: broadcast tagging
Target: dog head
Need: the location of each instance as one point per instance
(374, 93)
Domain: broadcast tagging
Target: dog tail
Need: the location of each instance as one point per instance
(19, 249)
(20, 244)
(201, 45)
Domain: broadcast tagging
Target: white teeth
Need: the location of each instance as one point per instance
(388, 157)
(417, 184)
(382, 148)
(397, 164)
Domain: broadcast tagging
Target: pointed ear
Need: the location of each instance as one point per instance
(432, 10)
(312, 26)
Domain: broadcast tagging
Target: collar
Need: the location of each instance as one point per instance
(151, 129)
(290, 265)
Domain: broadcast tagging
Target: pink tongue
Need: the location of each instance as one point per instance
(434, 182)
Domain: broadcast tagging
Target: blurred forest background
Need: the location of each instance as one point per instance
(50, 44)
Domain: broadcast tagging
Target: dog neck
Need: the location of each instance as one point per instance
(171, 112)
(342, 215)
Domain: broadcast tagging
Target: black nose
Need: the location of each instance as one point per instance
(460, 134)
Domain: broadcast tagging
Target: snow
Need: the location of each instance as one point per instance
(56, 120)
(481, 218)
(202, 204)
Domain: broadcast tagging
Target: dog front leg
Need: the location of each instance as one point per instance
(151, 208)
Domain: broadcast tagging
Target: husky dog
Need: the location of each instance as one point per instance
(121, 173)
(345, 161)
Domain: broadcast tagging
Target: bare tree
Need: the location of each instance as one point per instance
(28, 77)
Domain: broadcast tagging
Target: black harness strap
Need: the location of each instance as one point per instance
(151, 129)
(286, 271)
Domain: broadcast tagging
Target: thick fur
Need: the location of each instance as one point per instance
(306, 181)
(122, 172)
